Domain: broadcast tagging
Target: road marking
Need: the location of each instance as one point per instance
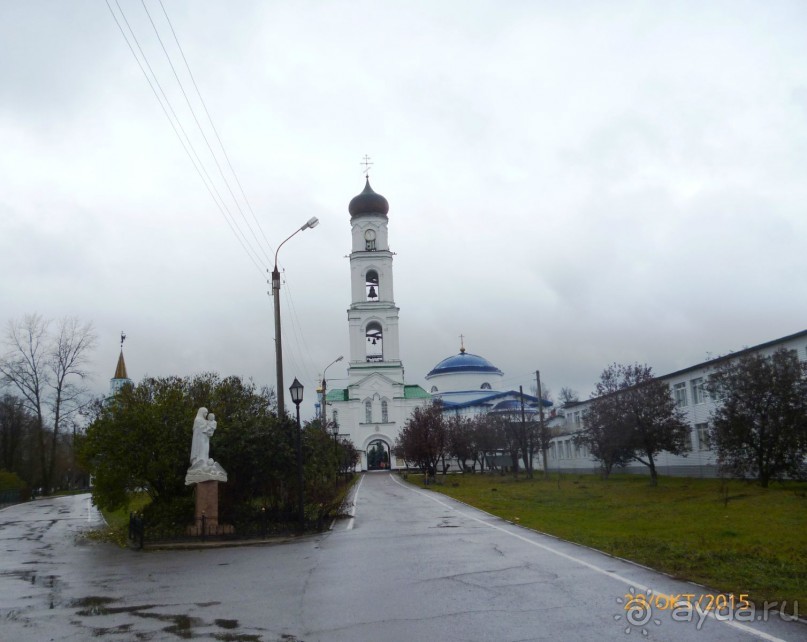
(434, 497)
(352, 511)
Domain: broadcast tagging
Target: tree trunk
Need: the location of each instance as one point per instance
(653, 474)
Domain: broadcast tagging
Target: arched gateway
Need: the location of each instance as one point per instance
(378, 455)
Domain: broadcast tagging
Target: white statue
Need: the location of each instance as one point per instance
(203, 468)
(202, 432)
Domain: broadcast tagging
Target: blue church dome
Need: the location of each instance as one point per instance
(462, 363)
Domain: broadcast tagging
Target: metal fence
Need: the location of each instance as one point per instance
(141, 532)
(12, 496)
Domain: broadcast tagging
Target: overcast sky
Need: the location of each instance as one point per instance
(570, 183)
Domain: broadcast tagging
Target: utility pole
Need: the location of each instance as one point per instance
(525, 447)
(542, 428)
(281, 391)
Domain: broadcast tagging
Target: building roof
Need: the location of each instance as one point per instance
(337, 394)
(415, 392)
(463, 362)
(368, 203)
(733, 355)
(120, 370)
(489, 399)
(411, 391)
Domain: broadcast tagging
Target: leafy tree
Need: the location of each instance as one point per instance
(45, 369)
(632, 416)
(760, 427)
(423, 439)
(142, 440)
(486, 439)
(461, 446)
(505, 428)
(348, 456)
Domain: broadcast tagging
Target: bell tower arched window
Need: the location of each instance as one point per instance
(384, 411)
(374, 342)
(368, 412)
(371, 285)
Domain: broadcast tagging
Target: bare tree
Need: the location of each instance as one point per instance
(45, 369)
(568, 396)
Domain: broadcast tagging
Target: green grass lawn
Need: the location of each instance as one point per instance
(735, 536)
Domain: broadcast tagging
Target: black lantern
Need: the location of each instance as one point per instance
(296, 391)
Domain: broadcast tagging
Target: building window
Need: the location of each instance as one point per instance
(552, 450)
(577, 420)
(702, 431)
(485, 386)
(434, 389)
(698, 394)
(384, 413)
(368, 412)
(680, 394)
(371, 285)
(374, 342)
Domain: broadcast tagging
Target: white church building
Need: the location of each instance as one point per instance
(376, 403)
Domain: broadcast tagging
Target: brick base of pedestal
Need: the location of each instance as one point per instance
(207, 501)
(207, 511)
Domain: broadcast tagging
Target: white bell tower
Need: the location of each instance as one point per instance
(372, 316)
(374, 406)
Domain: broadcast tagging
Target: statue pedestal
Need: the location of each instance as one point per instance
(207, 511)
(207, 502)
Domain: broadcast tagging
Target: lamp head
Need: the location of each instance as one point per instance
(296, 390)
(312, 222)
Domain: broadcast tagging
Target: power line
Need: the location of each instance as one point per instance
(215, 131)
(202, 131)
(220, 205)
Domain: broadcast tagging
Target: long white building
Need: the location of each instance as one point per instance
(687, 388)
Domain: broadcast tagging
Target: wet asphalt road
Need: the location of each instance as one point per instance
(412, 565)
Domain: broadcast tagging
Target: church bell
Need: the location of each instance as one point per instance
(372, 294)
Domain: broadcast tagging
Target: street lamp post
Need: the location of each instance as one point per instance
(336, 452)
(296, 391)
(323, 414)
(281, 403)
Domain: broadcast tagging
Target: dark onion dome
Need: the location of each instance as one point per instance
(464, 362)
(368, 203)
